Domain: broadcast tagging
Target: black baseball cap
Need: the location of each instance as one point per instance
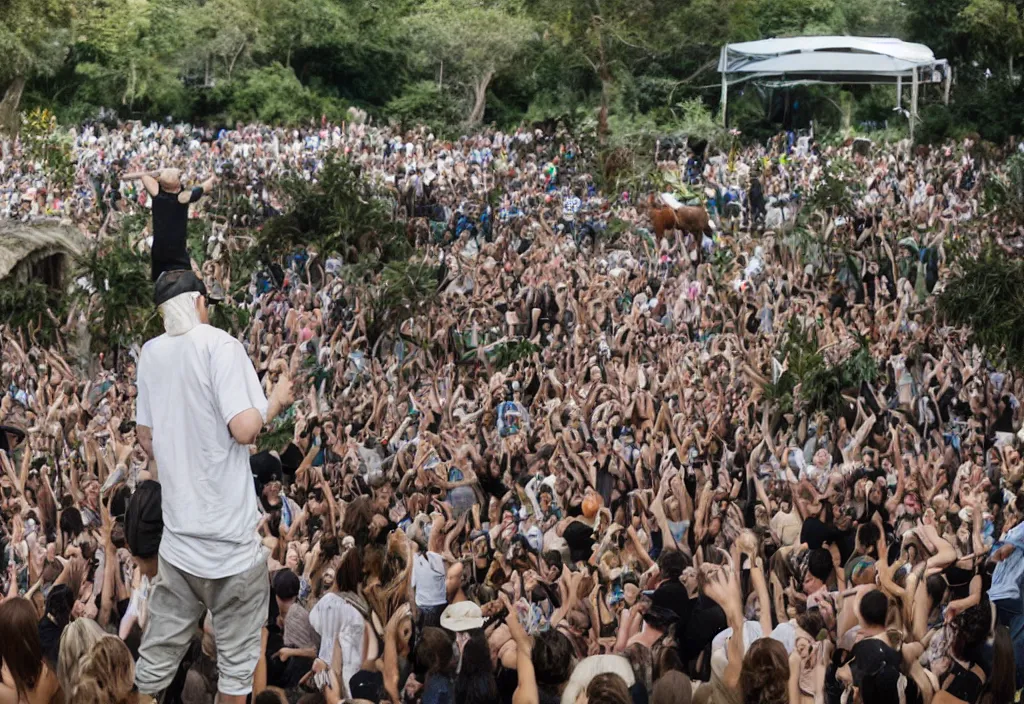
(174, 283)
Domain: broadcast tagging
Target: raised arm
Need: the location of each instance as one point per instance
(148, 178)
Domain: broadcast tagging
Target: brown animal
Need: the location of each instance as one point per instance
(687, 219)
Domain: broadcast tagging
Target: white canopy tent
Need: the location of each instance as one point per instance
(860, 60)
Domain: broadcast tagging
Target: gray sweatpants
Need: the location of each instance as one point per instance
(177, 600)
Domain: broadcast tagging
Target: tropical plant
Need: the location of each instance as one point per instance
(402, 290)
(1003, 192)
(986, 294)
(113, 284)
(834, 192)
(341, 213)
(811, 380)
(34, 309)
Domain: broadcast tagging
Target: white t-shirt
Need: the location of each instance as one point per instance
(189, 387)
(428, 578)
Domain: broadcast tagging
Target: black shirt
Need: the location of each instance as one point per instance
(706, 621)
(672, 595)
(170, 232)
(580, 538)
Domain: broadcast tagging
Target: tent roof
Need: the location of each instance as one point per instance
(19, 242)
(828, 59)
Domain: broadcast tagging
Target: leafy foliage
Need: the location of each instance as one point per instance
(615, 64)
(402, 290)
(834, 193)
(274, 94)
(342, 213)
(48, 144)
(812, 381)
(1004, 193)
(33, 306)
(987, 296)
(111, 277)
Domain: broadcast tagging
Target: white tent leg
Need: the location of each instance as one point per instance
(949, 81)
(899, 91)
(725, 89)
(914, 88)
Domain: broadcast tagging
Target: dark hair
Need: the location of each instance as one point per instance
(868, 535)
(553, 558)
(553, 655)
(21, 652)
(356, 523)
(350, 572)
(59, 603)
(764, 677)
(1002, 683)
(971, 628)
(874, 607)
(608, 688)
(312, 698)
(286, 585)
(476, 683)
(433, 653)
(819, 563)
(268, 696)
(811, 621)
(936, 588)
(671, 564)
(666, 660)
(71, 522)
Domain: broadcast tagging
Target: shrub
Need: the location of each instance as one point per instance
(275, 95)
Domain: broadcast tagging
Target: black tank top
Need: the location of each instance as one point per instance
(170, 232)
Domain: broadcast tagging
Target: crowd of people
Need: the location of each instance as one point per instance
(573, 476)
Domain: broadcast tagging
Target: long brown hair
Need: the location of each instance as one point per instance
(20, 649)
(764, 678)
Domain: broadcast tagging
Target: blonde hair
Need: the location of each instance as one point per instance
(106, 675)
(75, 642)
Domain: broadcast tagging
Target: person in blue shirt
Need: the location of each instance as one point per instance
(1005, 591)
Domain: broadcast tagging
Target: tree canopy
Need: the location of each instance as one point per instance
(456, 63)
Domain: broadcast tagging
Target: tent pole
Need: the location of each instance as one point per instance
(949, 80)
(725, 87)
(899, 91)
(913, 104)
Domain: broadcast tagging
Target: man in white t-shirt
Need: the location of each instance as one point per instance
(199, 407)
(429, 576)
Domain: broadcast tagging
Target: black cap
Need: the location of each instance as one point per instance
(367, 685)
(174, 283)
(144, 520)
(875, 665)
(265, 467)
(286, 585)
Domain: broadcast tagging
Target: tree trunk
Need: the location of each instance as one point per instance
(606, 84)
(9, 122)
(480, 98)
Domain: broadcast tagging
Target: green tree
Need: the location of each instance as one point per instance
(222, 35)
(129, 51)
(468, 44)
(996, 27)
(34, 40)
(295, 25)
